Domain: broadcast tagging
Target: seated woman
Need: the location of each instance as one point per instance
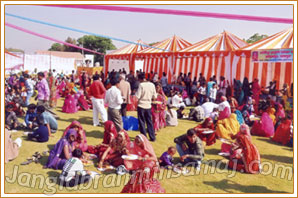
(207, 125)
(247, 110)
(62, 151)
(263, 127)
(283, 132)
(142, 180)
(244, 155)
(81, 141)
(116, 149)
(225, 128)
(271, 112)
(110, 133)
(82, 102)
(224, 108)
(71, 101)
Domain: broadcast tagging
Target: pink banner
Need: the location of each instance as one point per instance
(49, 38)
(179, 12)
(17, 67)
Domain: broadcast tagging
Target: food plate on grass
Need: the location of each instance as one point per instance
(87, 163)
(130, 157)
(109, 167)
(226, 141)
(92, 156)
(224, 154)
(208, 132)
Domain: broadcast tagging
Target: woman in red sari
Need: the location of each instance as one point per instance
(283, 132)
(81, 141)
(117, 148)
(245, 155)
(82, 102)
(158, 109)
(207, 125)
(144, 167)
(110, 133)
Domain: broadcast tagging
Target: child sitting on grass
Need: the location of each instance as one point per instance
(11, 120)
(73, 172)
(166, 159)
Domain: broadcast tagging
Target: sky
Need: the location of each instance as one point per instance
(133, 26)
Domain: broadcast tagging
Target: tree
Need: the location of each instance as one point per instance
(68, 48)
(256, 37)
(98, 44)
(57, 47)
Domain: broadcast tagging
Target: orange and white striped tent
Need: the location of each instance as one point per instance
(211, 56)
(125, 53)
(282, 72)
(158, 60)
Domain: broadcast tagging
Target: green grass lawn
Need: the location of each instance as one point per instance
(208, 180)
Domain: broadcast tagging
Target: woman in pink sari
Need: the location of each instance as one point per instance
(256, 90)
(244, 155)
(144, 167)
(71, 101)
(158, 109)
(81, 141)
(263, 127)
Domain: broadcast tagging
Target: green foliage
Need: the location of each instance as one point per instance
(56, 47)
(256, 37)
(91, 42)
(68, 48)
(98, 44)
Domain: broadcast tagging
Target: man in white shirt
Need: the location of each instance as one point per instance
(208, 108)
(114, 100)
(146, 92)
(125, 89)
(29, 88)
(177, 101)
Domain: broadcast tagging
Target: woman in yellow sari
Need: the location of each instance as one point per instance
(227, 128)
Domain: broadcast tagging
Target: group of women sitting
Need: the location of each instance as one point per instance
(109, 152)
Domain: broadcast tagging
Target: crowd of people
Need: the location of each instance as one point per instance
(225, 111)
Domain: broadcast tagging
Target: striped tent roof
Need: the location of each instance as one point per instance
(172, 44)
(281, 40)
(224, 41)
(129, 49)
